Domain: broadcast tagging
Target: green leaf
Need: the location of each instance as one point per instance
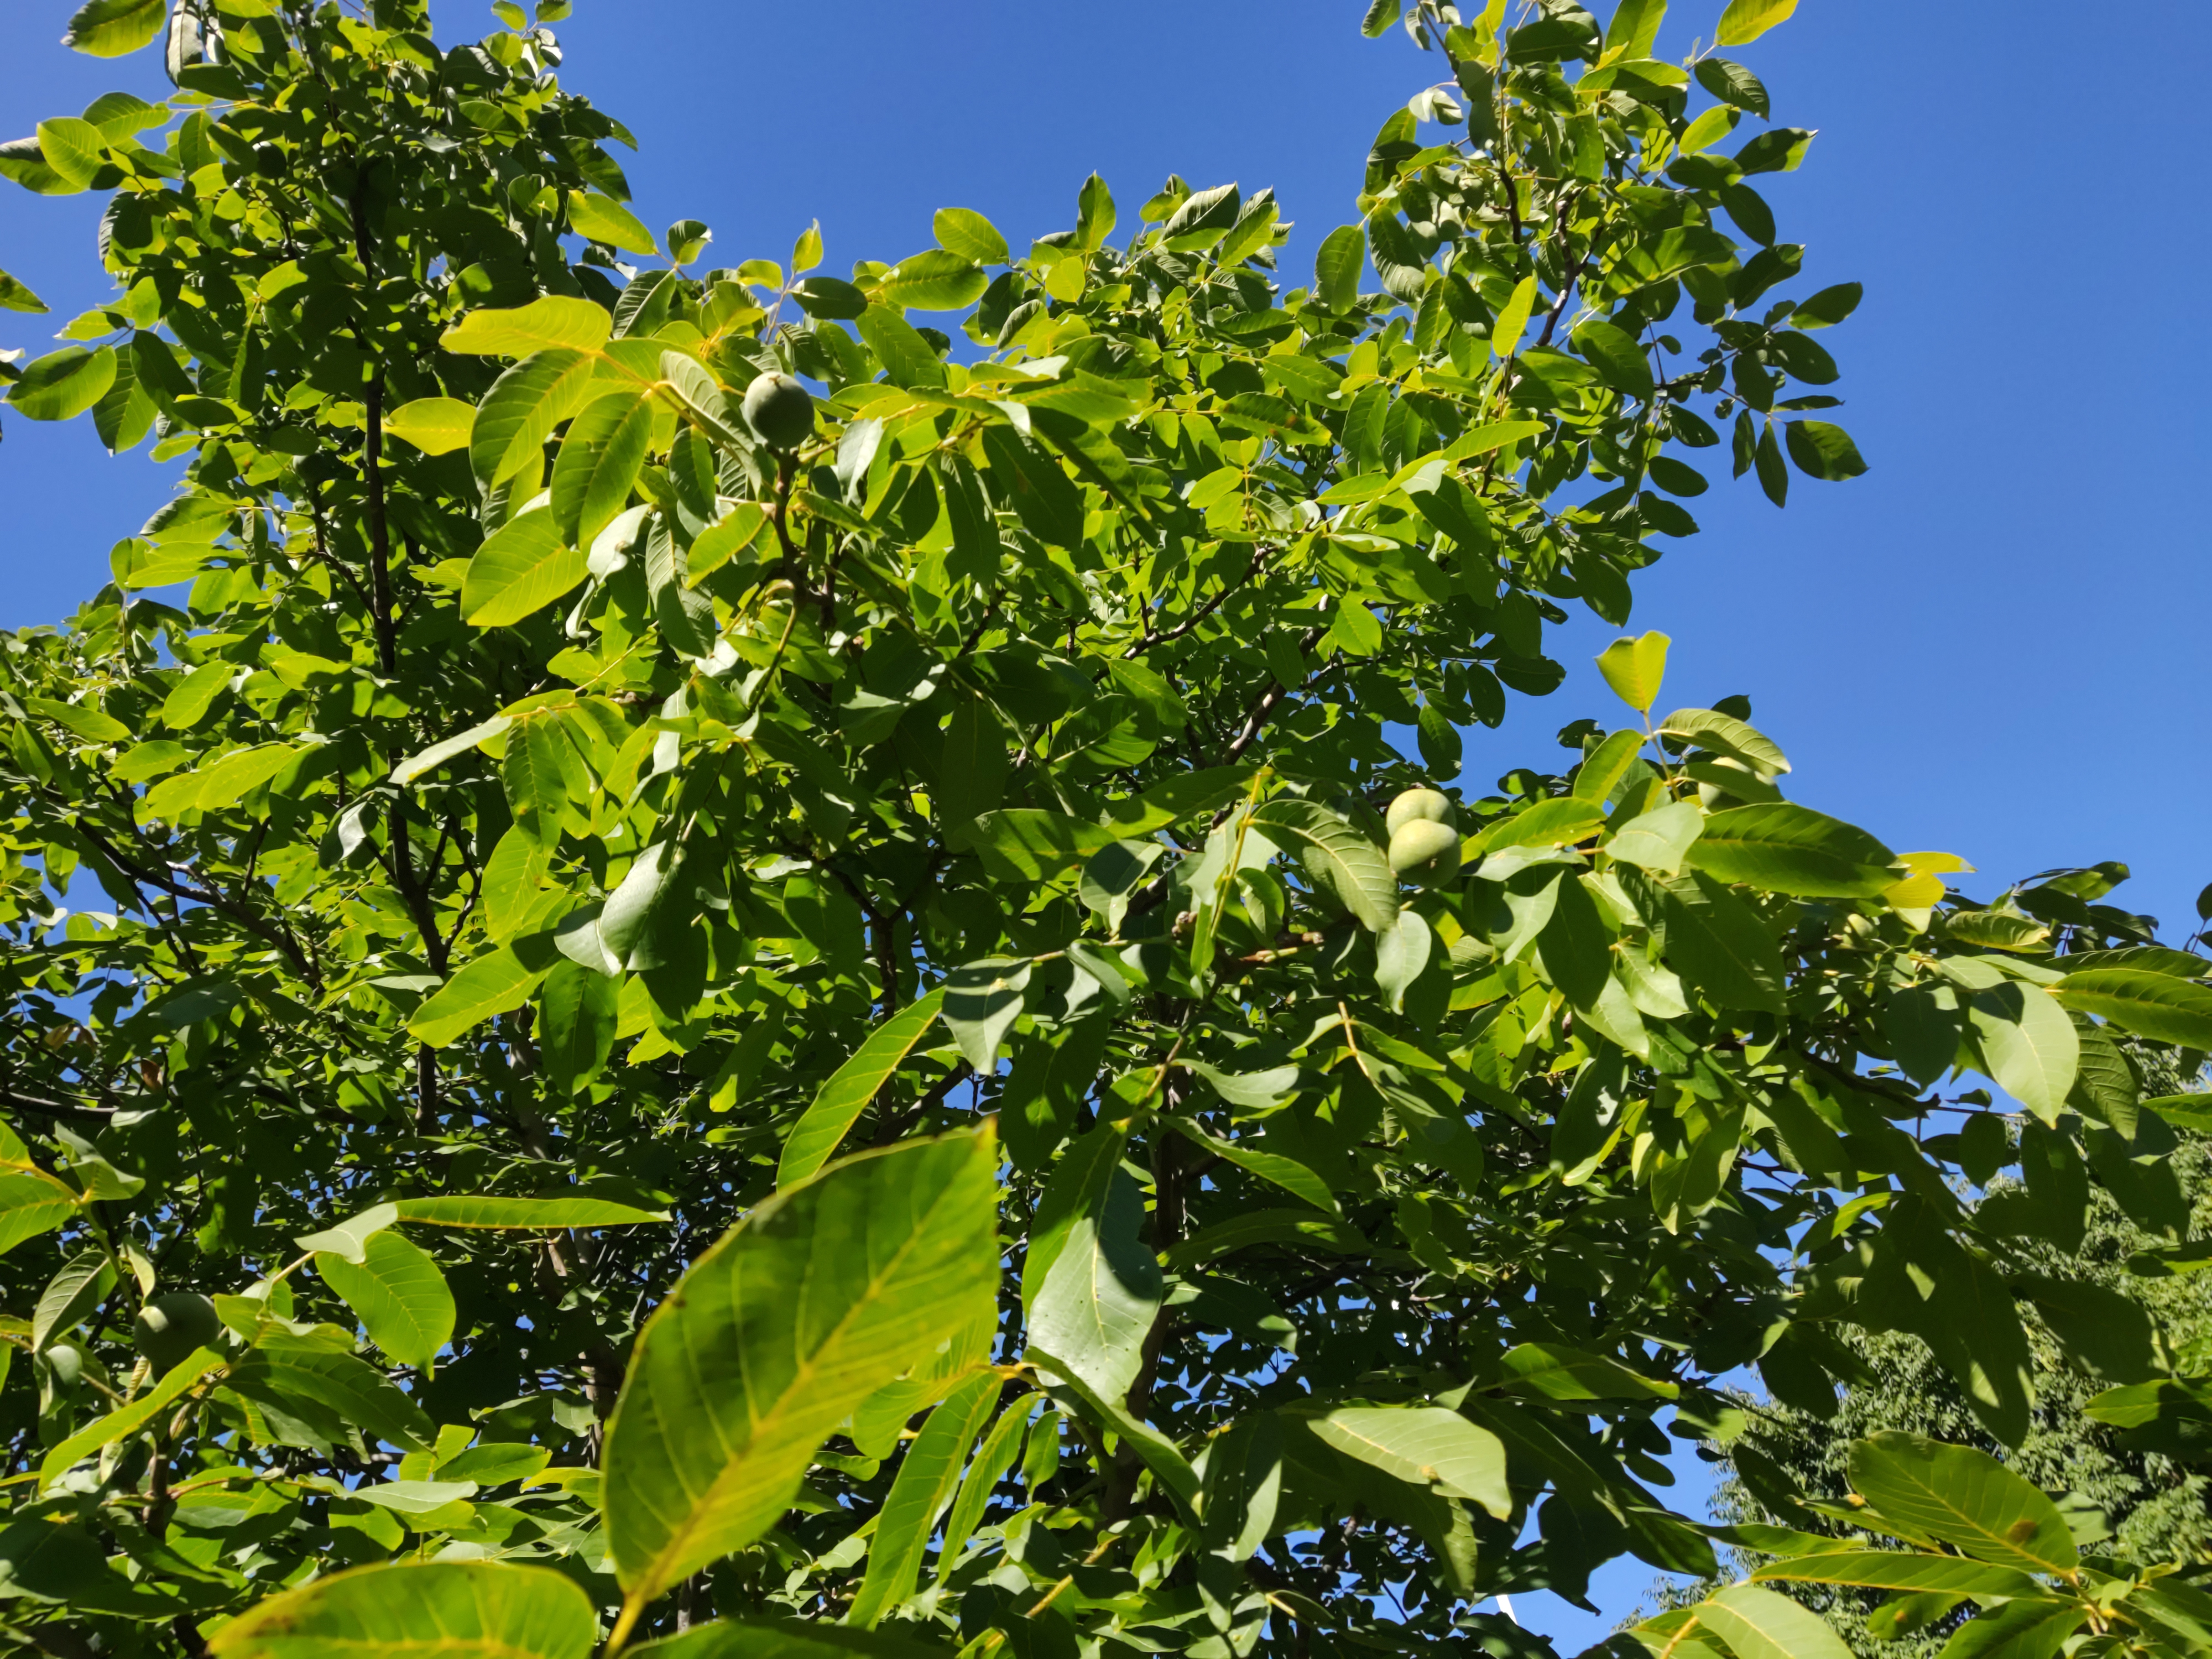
(936, 279)
(1894, 1569)
(598, 462)
(1449, 505)
(1732, 83)
(75, 149)
(1513, 319)
(1823, 451)
(1923, 1030)
(1714, 939)
(1588, 1126)
(1400, 955)
(2102, 1332)
(126, 1420)
(399, 1294)
(2019, 1630)
(83, 1283)
(1299, 1180)
(971, 236)
(522, 568)
(1243, 1486)
(1093, 1301)
(1336, 268)
(2030, 1044)
(783, 1638)
(429, 1610)
(1551, 1370)
(349, 1240)
(1095, 216)
(1026, 844)
(528, 1214)
(86, 720)
(283, 1369)
(1742, 22)
(992, 1459)
(110, 28)
(1029, 480)
(578, 1011)
(525, 405)
(436, 426)
(1829, 307)
(839, 1102)
(496, 983)
(709, 411)
(555, 323)
(828, 299)
(1757, 1624)
(32, 1202)
(601, 219)
(1337, 856)
(63, 385)
(1724, 734)
(825, 1292)
(1660, 840)
(1622, 362)
(1557, 822)
(1634, 669)
(1964, 1498)
(14, 295)
(981, 1000)
(443, 750)
(2150, 1005)
(1427, 1446)
(924, 1485)
(908, 359)
(1781, 847)
(1634, 28)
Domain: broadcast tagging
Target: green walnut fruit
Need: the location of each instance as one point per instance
(1425, 852)
(1425, 806)
(779, 411)
(170, 1327)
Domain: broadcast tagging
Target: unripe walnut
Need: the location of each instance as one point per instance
(779, 411)
(1425, 852)
(1431, 804)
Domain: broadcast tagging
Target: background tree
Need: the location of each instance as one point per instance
(594, 781)
(2135, 1498)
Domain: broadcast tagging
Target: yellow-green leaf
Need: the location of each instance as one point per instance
(400, 1295)
(601, 219)
(2155, 1005)
(496, 984)
(528, 1214)
(1635, 668)
(110, 28)
(554, 323)
(420, 1610)
(521, 570)
(824, 1293)
(75, 149)
(841, 1101)
(1745, 20)
(436, 426)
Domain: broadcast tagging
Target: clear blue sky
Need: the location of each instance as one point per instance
(1993, 644)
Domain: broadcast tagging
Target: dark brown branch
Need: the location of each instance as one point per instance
(895, 1128)
(1258, 559)
(279, 940)
(379, 532)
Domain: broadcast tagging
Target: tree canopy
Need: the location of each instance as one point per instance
(691, 960)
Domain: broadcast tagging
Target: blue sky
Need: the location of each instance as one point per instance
(1992, 644)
